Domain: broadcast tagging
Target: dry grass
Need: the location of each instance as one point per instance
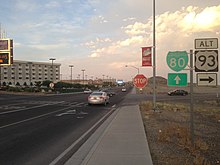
(171, 128)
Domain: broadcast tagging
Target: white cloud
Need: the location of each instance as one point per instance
(174, 31)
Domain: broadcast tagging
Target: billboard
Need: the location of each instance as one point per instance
(6, 52)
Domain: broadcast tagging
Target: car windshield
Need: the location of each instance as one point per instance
(97, 94)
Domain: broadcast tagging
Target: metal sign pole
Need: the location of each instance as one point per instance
(154, 60)
(191, 99)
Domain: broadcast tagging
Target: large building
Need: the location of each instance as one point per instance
(29, 72)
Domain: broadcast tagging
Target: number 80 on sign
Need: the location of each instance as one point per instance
(177, 60)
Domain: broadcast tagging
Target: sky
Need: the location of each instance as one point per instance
(103, 36)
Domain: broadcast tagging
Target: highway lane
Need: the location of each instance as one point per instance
(36, 129)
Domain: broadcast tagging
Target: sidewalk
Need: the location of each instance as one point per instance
(121, 140)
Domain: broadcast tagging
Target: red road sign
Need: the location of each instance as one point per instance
(140, 81)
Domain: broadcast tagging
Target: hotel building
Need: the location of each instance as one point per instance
(29, 72)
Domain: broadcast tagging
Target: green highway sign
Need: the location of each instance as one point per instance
(177, 79)
(177, 60)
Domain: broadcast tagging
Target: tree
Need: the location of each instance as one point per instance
(38, 84)
(25, 84)
(17, 84)
(46, 83)
(4, 83)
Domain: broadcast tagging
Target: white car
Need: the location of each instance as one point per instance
(123, 89)
(87, 91)
(98, 98)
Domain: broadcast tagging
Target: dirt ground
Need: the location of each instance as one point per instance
(169, 134)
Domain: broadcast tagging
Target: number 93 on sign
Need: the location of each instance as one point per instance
(206, 61)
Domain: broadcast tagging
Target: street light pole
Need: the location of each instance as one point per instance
(30, 72)
(71, 74)
(83, 70)
(133, 67)
(52, 59)
(154, 59)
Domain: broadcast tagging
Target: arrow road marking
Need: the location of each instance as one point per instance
(177, 79)
(210, 79)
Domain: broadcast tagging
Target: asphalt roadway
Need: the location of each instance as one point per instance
(37, 129)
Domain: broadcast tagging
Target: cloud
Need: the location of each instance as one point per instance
(206, 20)
(138, 28)
(174, 31)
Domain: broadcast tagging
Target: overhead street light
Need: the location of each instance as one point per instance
(133, 67)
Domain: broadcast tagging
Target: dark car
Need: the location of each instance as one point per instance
(178, 92)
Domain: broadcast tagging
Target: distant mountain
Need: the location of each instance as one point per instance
(159, 80)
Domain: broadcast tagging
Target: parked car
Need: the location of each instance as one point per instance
(98, 98)
(87, 91)
(178, 92)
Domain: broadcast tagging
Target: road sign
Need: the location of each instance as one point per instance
(177, 60)
(51, 85)
(206, 79)
(206, 61)
(206, 43)
(177, 79)
(140, 81)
